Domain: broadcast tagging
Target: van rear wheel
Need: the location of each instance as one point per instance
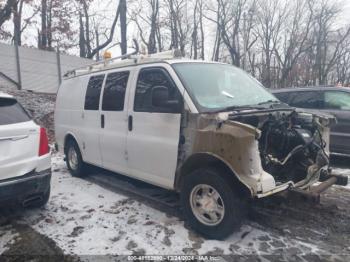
(74, 160)
(210, 204)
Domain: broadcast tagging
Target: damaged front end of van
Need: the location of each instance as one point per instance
(268, 151)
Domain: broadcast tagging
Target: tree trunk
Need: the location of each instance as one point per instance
(49, 26)
(43, 38)
(17, 19)
(201, 28)
(152, 36)
(82, 43)
(5, 12)
(123, 26)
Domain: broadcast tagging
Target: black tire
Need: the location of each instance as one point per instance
(234, 207)
(80, 168)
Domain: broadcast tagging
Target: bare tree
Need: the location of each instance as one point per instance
(229, 21)
(21, 23)
(178, 24)
(271, 15)
(197, 45)
(295, 38)
(327, 42)
(343, 64)
(85, 41)
(6, 10)
(151, 38)
(56, 24)
(231, 16)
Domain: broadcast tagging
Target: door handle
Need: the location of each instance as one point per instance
(130, 123)
(102, 121)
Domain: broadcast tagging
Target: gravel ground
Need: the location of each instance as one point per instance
(84, 219)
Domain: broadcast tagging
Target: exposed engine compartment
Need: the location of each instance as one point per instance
(291, 145)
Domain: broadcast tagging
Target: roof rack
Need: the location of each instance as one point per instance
(124, 60)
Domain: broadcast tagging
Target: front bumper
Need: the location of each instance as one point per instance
(19, 189)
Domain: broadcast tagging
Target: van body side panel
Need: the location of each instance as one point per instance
(152, 147)
(69, 111)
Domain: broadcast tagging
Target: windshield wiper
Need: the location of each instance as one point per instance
(238, 108)
(269, 102)
(274, 103)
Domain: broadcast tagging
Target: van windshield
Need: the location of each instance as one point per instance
(218, 86)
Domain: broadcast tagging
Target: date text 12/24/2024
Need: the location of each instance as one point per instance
(173, 258)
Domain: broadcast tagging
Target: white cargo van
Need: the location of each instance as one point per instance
(207, 130)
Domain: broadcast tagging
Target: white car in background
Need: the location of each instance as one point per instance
(25, 161)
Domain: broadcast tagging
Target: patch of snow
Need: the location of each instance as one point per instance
(7, 237)
(86, 219)
(254, 241)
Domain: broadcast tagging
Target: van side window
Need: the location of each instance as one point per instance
(114, 91)
(148, 79)
(93, 92)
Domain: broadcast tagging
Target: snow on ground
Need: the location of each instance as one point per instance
(86, 219)
(7, 237)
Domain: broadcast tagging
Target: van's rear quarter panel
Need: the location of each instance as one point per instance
(69, 109)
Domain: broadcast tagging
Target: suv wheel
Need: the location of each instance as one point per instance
(210, 204)
(74, 160)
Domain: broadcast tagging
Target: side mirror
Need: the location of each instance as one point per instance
(160, 98)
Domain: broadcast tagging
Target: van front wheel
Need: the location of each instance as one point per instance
(74, 160)
(210, 204)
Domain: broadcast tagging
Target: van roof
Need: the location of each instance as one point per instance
(170, 57)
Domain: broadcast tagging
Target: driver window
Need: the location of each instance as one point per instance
(337, 100)
(148, 79)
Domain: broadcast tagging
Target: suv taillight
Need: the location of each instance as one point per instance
(44, 142)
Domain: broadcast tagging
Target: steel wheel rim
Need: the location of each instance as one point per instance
(207, 205)
(73, 158)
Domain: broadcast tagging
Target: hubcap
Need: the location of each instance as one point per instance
(72, 158)
(207, 205)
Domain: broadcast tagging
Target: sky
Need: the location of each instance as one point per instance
(108, 7)
(346, 11)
